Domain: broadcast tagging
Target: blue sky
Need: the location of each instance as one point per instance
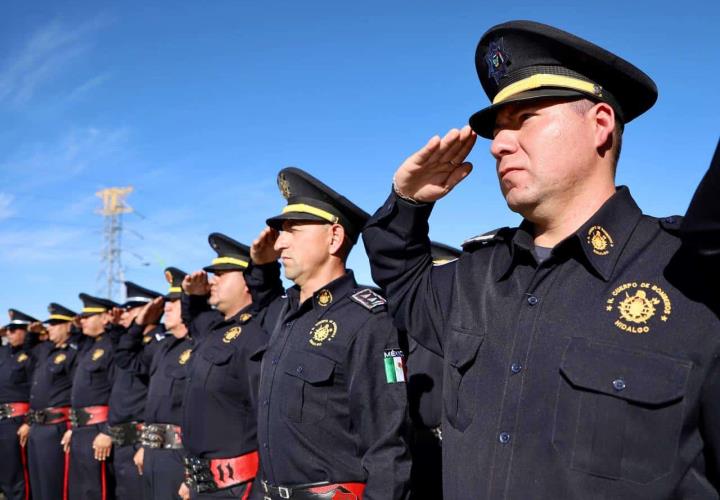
(197, 105)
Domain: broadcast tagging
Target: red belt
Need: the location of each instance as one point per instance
(230, 471)
(342, 491)
(89, 415)
(334, 491)
(50, 415)
(10, 410)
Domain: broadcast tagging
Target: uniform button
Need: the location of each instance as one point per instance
(532, 300)
(504, 437)
(275, 361)
(264, 445)
(266, 402)
(299, 369)
(619, 384)
(515, 367)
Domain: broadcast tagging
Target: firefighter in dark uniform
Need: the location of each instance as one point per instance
(424, 368)
(701, 225)
(160, 457)
(90, 475)
(127, 398)
(332, 400)
(220, 417)
(16, 368)
(581, 349)
(49, 418)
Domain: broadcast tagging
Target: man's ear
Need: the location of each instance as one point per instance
(337, 237)
(603, 116)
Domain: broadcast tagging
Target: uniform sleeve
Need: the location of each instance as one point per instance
(197, 315)
(701, 225)
(419, 295)
(264, 283)
(709, 428)
(378, 411)
(128, 351)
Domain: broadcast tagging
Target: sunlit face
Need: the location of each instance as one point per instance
(543, 149)
(173, 318)
(16, 336)
(128, 315)
(93, 325)
(58, 333)
(226, 289)
(304, 247)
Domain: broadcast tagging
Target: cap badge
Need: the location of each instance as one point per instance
(497, 58)
(600, 240)
(232, 334)
(23, 357)
(59, 358)
(324, 330)
(636, 304)
(97, 354)
(284, 186)
(185, 356)
(324, 297)
(169, 277)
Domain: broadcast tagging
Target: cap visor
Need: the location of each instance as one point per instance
(222, 268)
(277, 221)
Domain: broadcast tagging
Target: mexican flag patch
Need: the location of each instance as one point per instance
(394, 366)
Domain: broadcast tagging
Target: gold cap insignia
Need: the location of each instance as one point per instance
(637, 303)
(168, 277)
(97, 354)
(324, 330)
(324, 298)
(284, 186)
(59, 358)
(22, 357)
(147, 339)
(232, 334)
(600, 240)
(11, 313)
(185, 356)
(245, 317)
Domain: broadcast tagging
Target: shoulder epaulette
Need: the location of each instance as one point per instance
(369, 299)
(483, 239)
(671, 224)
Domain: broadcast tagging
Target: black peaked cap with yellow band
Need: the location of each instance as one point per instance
(442, 254)
(174, 277)
(311, 200)
(95, 305)
(137, 296)
(19, 319)
(231, 255)
(525, 60)
(59, 314)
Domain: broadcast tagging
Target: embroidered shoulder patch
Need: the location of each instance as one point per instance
(369, 299)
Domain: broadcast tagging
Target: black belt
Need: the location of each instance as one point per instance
(125, 434)
(49, 416)
(167, 436)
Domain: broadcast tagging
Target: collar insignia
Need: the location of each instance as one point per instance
(600, 240)
(324, 330)
(185, 356)
(245, 317)
(324, 298)
(147, 339)
(97, 354)
(59, 358)
(232, 334)
(23, 357)
(636, 304)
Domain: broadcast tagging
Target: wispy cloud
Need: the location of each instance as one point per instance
(86, 87)
(47, 52)
(6, 209)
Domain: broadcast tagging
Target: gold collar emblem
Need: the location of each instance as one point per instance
(23, 357)
(245, 317)
(147, 339)
(232, 334)
(284, 186)
(185, 356)
(600, 240)
(324, 330)
(324, 298)
(97, 354)
(59, 358)
(636, 304)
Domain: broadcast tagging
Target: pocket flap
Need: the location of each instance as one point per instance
(462, 348)
(218, 355)
(638, 376)
(309, 367)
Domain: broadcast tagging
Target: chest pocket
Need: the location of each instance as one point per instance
(461, 378)
(219, 370)
(619, 413)
(97, 369)
(177, 375)
(307, 379)
(19, 372)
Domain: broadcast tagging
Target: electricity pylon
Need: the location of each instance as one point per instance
(111, 258)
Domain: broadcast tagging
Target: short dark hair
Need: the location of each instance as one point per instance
(582, 106)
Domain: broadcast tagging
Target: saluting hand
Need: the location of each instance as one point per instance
(262, 250)
(23, 432)
(65, 441)
(434, 170)
(151, 312)
(196, 283)
(102, 445)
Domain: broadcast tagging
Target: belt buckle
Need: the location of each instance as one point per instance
(284, 492)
